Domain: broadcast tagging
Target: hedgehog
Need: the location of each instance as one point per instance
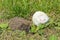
(39, 17)
(18, 23)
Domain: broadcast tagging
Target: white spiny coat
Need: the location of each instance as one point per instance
(39, 17)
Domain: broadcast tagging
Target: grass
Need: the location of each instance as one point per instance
(26, 8)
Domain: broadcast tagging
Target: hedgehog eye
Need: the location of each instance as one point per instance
(41, 15)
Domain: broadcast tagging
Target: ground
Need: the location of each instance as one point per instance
(25, 9)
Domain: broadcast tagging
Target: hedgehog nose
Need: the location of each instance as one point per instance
(42, 19)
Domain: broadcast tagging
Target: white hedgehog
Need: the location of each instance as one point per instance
(39, 17)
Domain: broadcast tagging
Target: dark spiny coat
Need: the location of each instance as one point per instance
(19, 23)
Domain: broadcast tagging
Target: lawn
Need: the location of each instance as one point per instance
(25, 9)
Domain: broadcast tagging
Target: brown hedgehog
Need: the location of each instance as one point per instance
(20, 24)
